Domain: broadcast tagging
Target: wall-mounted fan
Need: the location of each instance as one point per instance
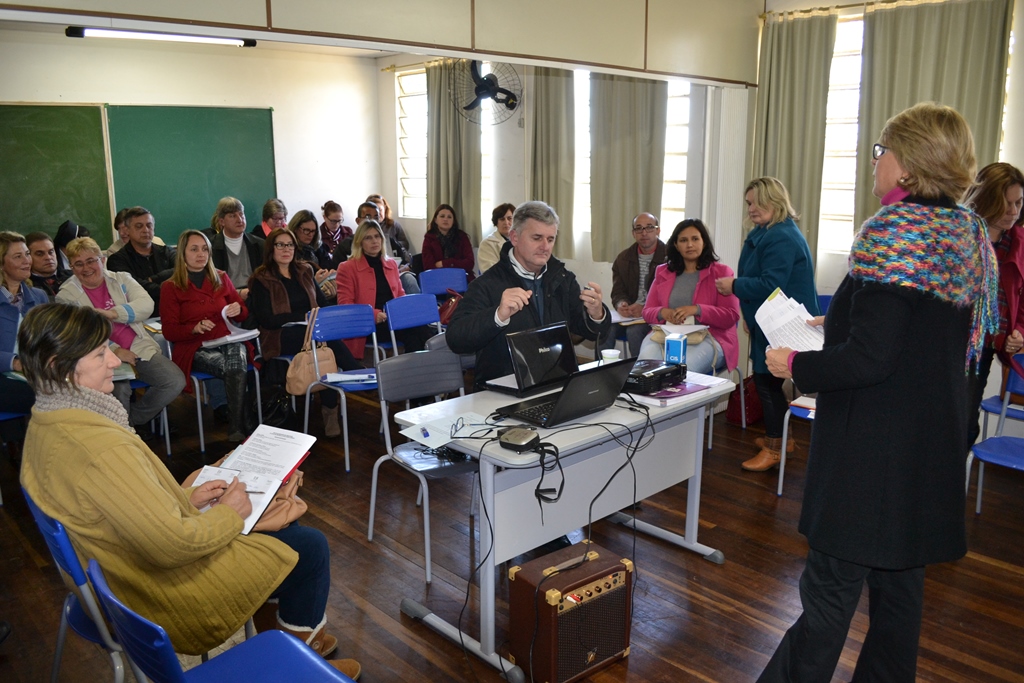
(468, 88)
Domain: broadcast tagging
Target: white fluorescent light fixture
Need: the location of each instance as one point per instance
(80, 32)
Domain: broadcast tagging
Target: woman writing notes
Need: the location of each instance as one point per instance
(885, 477)
(775, 256)
(192, 572)
(684, 287)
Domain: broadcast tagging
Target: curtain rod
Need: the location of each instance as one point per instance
(393, 68)
(865, 5)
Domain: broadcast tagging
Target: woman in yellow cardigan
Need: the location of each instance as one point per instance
(191, 572)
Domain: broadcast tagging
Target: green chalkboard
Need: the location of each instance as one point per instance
(179, 161)
(53, 168)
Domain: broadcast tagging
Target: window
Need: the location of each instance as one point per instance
(677, 138)
(411, 93)
(839, 173)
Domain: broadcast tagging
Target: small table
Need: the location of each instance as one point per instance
(589, 455)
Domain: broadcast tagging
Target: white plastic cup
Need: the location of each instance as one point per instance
(610, 355)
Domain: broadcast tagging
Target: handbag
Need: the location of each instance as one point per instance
(302, 371)
(276, 405)
(447, 309)
(751, 400)
(282, 511)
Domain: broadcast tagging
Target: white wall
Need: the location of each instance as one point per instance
(326, 130)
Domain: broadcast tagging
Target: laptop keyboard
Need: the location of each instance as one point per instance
(538, 413)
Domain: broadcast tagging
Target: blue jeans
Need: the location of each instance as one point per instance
(165, 381)
(302, 596)
(705, 358)
(635, 335)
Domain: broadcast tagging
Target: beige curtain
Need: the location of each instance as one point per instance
(627, 157)
(792, 92)
(954, 53)
(453, 154)
(554, 150)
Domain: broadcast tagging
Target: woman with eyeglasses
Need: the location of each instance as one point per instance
(282, 292)
(310, 248)
(392, 229)
(17, 298)
(275, 215)
(333, 230)
(445, 245)
(884, 494)
(775, 255)
(193, 303)
(124, 302)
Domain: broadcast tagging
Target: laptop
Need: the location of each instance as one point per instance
(587, 391)
(542, 359)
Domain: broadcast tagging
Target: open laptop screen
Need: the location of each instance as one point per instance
(542, 356)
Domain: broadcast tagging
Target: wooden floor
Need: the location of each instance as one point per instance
(694, 620)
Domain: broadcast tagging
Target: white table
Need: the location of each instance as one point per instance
(589, 456)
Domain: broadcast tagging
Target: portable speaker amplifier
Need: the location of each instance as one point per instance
(573, 614)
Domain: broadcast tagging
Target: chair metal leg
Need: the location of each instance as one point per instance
(711, 425)
(259, 397)
(743, 403)
(118, 664)
(197, 388)
(344, 428)
(373, 494)
(167, 430)
(250, 629)
(62, 632)
(474, 501)
(426, 524)
(782, 459)
(967, 479)
(981, 485)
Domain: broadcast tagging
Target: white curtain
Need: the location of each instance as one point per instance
(627, 157)
(453, 153)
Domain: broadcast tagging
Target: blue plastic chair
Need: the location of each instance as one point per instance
(343, 321)
(798, 411)
(139, 384)
(197, 380)
(438, 281)
(1006, 451)
(412, 310)
(823, 301)
(270, 656)
(88, 624)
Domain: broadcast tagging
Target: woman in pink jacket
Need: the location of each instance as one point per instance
(684, 286)
(368, 277)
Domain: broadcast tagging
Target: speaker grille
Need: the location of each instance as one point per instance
(592, 633)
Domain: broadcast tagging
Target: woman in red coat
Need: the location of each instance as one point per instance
(445, 245)
(368, 277)
(191, 302)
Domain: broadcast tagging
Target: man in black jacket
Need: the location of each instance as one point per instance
(232, 249)
(527, 288)
(149, 263)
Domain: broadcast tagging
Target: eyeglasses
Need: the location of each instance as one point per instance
(334, 221)
(878, 150)
(641, 229)
(284, 245)
(307, 231)
(89, 262)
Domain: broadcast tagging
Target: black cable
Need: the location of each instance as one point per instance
(548, 495)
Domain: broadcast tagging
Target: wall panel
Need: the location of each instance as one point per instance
(430, 22)
(244, 12)
(707, 39)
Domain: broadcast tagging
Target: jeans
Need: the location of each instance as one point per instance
(165, 381)
(409, 283)
(635, 335)
(302, 596)
(773, 403)
(829, 591)
(705, 358)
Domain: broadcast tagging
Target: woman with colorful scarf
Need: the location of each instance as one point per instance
(884, 494)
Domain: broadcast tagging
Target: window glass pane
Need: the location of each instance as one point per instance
(837, 202)
(839, 170)
(674, 195)
(412, 105)
(679, 110)
(414, 147)
(413, 126)
(410, 92)
(412, 166)
(414, 82)
(849, 36)
(840, 137)
(670, 218)
(845, 70)
(677, 138)
(835, 235)
(675, 167)
(415, 186)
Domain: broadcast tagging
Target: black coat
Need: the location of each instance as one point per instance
(885, 474)
(253, 248)
(473, 330)
(149, 271)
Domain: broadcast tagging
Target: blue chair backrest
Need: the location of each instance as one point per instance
(823, 301)
(439, 280)
(146, 643)
(344, 321)
(412, 310)
(57, 541)
(1015, 383)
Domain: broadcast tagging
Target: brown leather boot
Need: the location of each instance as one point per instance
(320, 640)
(768, 457)
(790, 444)
(349, 667)
(332, 427)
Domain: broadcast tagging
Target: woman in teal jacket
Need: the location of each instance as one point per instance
(775, 255)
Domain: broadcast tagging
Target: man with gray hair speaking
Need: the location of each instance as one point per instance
(527, 288)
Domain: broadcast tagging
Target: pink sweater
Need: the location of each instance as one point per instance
(719, 313)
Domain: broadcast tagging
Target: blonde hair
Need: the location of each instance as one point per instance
(80, 244)
(934, 145)
(357, 239)
(180, 275)
(770, 193)
(7, 238)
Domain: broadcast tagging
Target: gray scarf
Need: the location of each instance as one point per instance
(84, 398)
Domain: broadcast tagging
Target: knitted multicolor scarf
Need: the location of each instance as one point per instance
(941, 251)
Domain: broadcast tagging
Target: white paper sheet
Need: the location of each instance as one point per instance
(784, 323)
(437, 433)
(271, 452)
(235, 333)
(261, 490)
